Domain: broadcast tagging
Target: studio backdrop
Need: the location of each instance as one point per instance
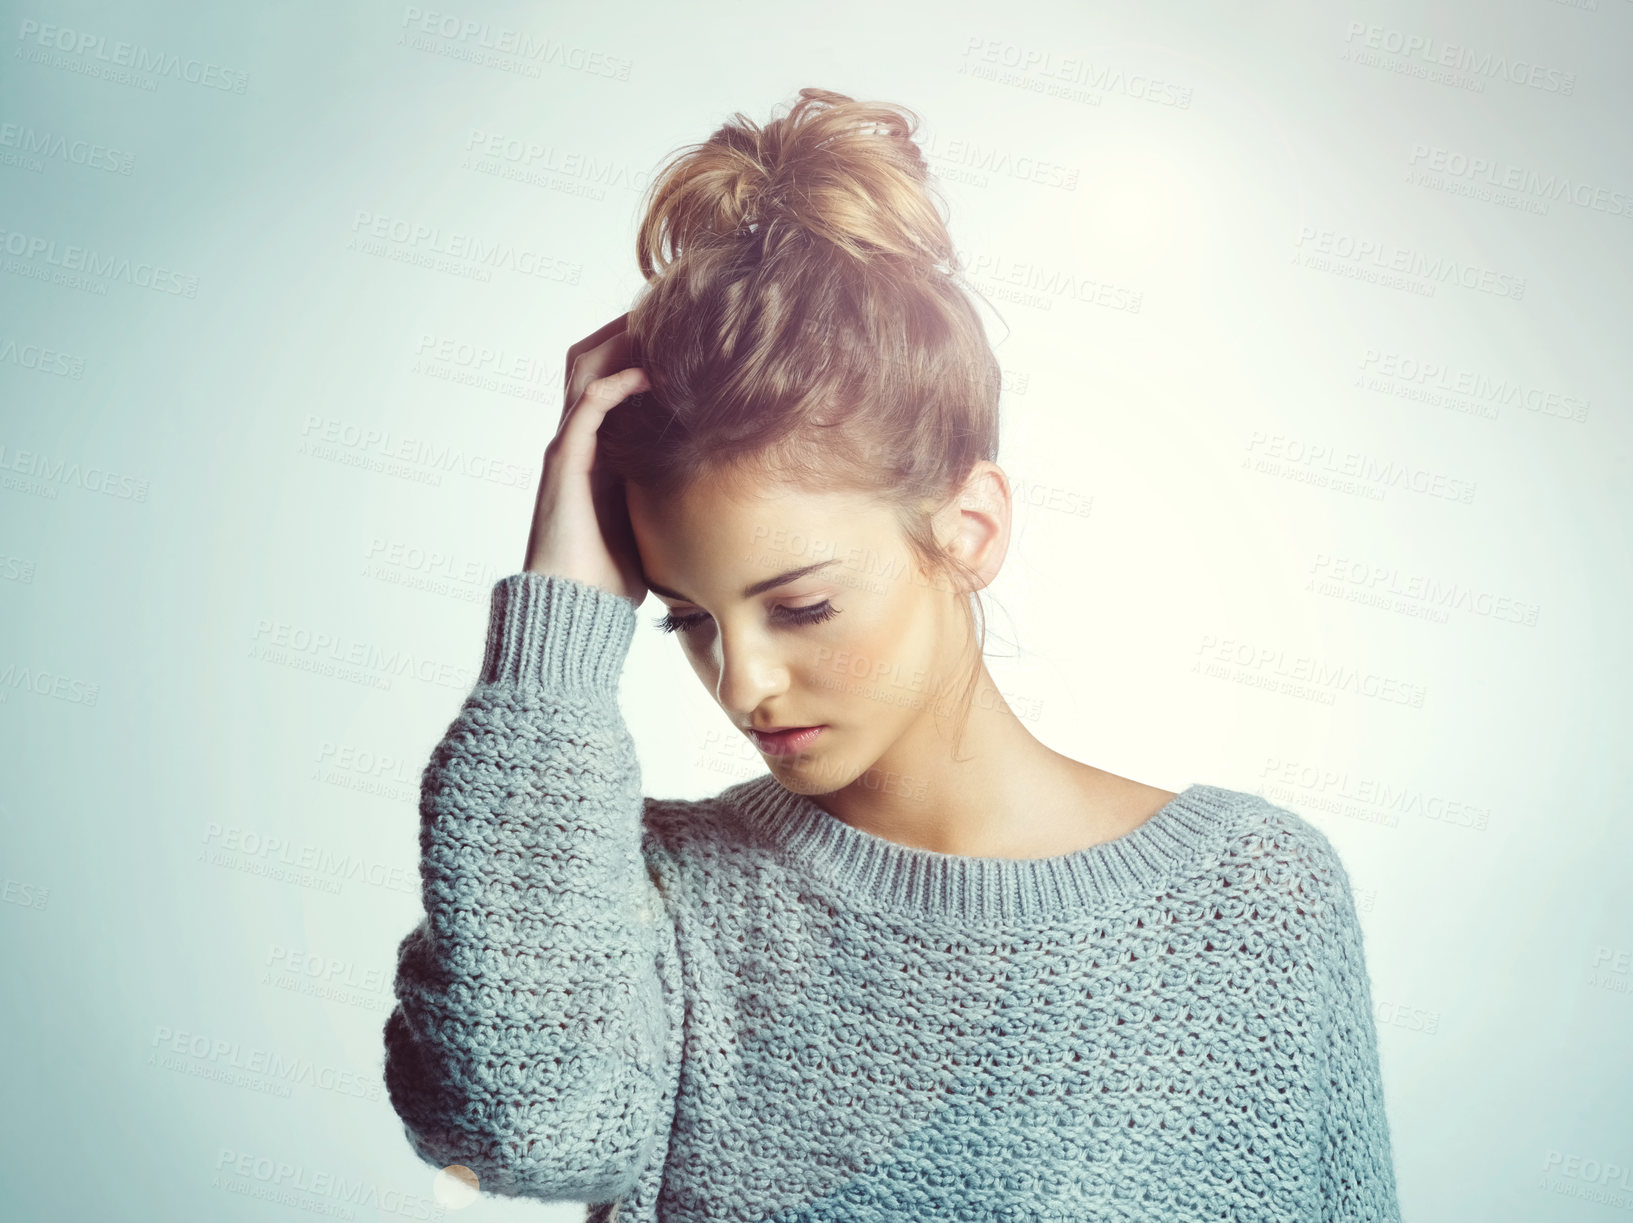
(1313, 326)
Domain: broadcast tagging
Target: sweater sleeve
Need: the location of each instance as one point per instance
(537, 1000)
(1356, 1160)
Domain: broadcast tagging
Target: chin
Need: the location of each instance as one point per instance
(814, 774)
(801, 776)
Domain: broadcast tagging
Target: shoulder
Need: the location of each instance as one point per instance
(1274, 849)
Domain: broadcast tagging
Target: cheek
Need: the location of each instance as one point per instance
(881, 658)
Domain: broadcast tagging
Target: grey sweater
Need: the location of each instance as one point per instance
(743, 1008)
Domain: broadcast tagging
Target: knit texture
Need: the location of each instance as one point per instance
(742, 1008)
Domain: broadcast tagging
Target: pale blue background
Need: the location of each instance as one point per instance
(1499, 928)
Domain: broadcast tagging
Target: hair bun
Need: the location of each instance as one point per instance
(846, 172)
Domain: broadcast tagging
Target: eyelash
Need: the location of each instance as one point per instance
(814, 614)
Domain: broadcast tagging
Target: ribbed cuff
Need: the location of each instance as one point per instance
(556, 632)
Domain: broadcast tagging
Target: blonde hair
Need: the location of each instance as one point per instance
(804, 319)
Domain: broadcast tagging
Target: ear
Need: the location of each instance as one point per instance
(974, 525)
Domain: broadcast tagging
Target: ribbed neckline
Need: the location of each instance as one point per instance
(880, 873)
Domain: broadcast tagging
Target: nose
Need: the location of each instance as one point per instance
(750, 669)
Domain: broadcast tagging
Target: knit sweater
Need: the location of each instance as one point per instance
(743, 1008)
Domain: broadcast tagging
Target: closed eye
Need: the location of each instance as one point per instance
(814, 614)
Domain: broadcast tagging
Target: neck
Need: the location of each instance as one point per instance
(1001, 794)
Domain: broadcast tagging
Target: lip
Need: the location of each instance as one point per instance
(786, 742)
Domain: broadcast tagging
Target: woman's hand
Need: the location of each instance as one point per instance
(581, 525)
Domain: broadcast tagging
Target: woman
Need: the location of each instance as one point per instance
(925, 967)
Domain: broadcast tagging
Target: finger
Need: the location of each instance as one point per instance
(580, 422)
(608, 391)
(608, 357)
(591, 341)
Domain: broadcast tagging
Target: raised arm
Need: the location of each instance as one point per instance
(538, 1001)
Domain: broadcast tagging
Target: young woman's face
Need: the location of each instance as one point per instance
(862, 644)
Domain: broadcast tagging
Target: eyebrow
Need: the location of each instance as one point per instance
(751, 591)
